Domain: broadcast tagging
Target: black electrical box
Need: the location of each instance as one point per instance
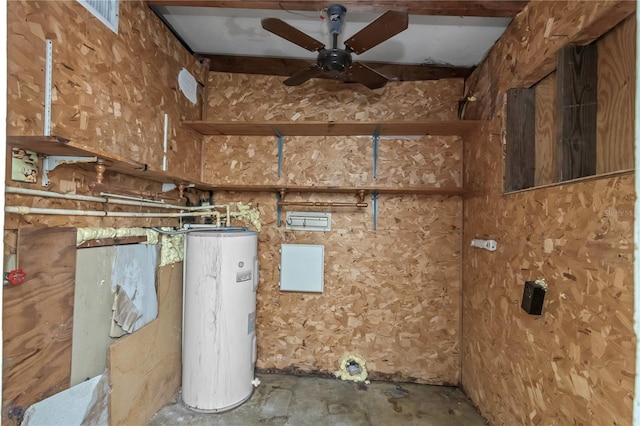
(533, 297)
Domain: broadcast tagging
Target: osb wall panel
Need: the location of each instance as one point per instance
(342, 161)
(111, 91)
(616, 101)
(145, 367)
(391, 295)
(256, 97)
(574, 364)
(577, 359)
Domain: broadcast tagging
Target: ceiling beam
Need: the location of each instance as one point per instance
(485, 8)
(288, 66)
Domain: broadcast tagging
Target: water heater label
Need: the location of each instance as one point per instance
(242, 276)
(252, 323)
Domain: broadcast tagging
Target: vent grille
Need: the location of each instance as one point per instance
(105, 10)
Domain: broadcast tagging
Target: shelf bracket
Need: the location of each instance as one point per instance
(279, 198)
(376, 142)
(280, 149)
(374, 205)
(50, 162)
(48, 69)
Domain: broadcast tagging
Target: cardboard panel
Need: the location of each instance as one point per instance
(144, 368)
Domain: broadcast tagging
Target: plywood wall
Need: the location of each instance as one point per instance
(391, 295)
(616, 100)
(38, 320)
(574, 364)
(111, 91)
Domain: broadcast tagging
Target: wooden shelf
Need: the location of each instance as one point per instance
(415, 190)
(334, 128)
(55, 145)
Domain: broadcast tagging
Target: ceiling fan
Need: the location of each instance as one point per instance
(335, 62)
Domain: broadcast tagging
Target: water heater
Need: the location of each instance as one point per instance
(219, 337)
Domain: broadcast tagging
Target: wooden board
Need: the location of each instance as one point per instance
(307, 128)
(577, 79)
(546, 130)
(145, 367)
(38, 319)
(616, 88)
(521, 138)
(438, 7)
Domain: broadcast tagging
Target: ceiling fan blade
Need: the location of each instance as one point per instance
(383, 28)
(366, 76)
(301, 76)
(294, 35)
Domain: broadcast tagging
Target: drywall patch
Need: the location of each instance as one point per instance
(85, 403)
(134, 273)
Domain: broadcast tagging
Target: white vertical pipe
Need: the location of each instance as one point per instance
(636, 239)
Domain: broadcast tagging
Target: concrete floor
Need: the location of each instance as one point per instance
(300, 401)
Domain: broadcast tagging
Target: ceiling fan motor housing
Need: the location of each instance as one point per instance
(334, 60)
(336, 13)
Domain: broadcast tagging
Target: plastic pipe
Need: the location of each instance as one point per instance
(127, 201)
(37, 210)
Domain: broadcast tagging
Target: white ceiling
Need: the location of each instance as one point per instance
(447, 40)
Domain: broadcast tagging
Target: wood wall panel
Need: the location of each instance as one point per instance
(521, 138)
(391, 295)
(577, 80)
(574, 364)
(38, 319)
(344, 160)
(258, 97)
(111, 91)
(145, 368)
(616, 107)
(546, 130)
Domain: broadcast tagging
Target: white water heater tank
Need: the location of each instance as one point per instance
(219, 337)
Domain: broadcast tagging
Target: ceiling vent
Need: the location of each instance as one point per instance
(105, 10)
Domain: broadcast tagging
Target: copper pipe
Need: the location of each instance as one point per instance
(320, 204)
